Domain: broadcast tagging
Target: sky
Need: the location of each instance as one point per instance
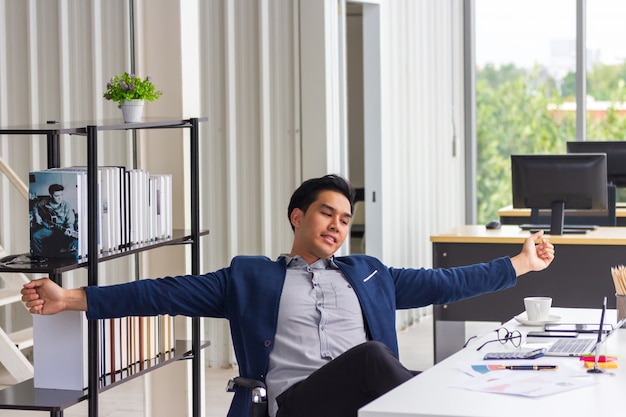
(525, 32)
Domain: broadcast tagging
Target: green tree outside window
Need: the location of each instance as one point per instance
(520, 111)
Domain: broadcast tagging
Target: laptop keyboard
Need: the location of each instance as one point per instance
(572, 346)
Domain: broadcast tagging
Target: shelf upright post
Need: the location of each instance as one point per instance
(195, 263)
(195, 197)
(92, 258)
(53, 148)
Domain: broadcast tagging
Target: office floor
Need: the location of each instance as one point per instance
(416, 352)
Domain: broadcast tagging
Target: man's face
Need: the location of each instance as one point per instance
(321, 231)
(57, 196)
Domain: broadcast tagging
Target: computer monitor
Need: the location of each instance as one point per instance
(615, 157)
(558, 182)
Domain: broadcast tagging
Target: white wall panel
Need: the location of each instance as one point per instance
(248, 96)
(423, 179)
(323, 143)
(249, 168)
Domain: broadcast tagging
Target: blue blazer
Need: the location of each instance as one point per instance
(248, 292)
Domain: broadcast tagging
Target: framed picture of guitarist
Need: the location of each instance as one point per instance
(53, 217)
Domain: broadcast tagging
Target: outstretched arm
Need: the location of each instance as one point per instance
(44, 296)
(533, 257)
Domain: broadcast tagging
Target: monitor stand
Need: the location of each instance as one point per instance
(556, 226)
(557, 218)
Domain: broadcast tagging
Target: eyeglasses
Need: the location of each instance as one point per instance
(504, 335)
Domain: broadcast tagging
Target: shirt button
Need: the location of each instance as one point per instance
(268, 343)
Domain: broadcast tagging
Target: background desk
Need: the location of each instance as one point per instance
(429, 394)
(509, 215)
(579, 276)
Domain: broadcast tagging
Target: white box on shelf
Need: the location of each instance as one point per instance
(60, 351)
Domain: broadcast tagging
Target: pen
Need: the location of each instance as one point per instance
(531, 367)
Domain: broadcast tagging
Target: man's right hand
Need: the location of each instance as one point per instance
(44, 296)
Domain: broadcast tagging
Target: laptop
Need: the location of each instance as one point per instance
(579, 346)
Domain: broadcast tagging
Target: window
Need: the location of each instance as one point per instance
(606, 73)
(524, 53)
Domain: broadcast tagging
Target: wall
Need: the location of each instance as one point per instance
(244, 70)
(423, 146)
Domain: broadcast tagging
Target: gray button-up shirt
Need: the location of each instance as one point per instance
(319, 318)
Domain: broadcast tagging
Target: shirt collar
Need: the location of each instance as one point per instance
(298, 262)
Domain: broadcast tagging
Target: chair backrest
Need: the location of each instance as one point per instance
(357, 228)
(358, 217)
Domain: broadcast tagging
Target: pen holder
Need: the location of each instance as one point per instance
(621, 307)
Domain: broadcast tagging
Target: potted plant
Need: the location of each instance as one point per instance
(131, 91)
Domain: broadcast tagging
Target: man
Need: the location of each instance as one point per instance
(318, 329)
(55, 232)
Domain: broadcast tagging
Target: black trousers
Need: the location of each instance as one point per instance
(342, 386)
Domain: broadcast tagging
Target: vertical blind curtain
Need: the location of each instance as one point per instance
(53, 60)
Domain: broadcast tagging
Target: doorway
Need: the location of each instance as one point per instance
(363, 114)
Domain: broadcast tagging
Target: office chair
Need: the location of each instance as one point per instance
(357, 228)
(258, 394)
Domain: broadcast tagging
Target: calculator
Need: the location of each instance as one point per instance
(528, 354)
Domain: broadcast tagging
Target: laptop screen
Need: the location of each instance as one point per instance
(568, 346)
(601, 324)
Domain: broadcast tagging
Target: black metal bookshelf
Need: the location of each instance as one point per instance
(24, 396)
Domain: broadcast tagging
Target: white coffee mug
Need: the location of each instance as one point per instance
(538, 308)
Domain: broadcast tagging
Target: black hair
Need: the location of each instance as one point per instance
(54, 188)
(310, 189)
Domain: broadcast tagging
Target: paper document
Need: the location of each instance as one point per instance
(488, 378)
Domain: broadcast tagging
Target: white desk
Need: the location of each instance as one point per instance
(429, 394)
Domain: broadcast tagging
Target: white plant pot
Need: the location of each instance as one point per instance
(132, 110)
